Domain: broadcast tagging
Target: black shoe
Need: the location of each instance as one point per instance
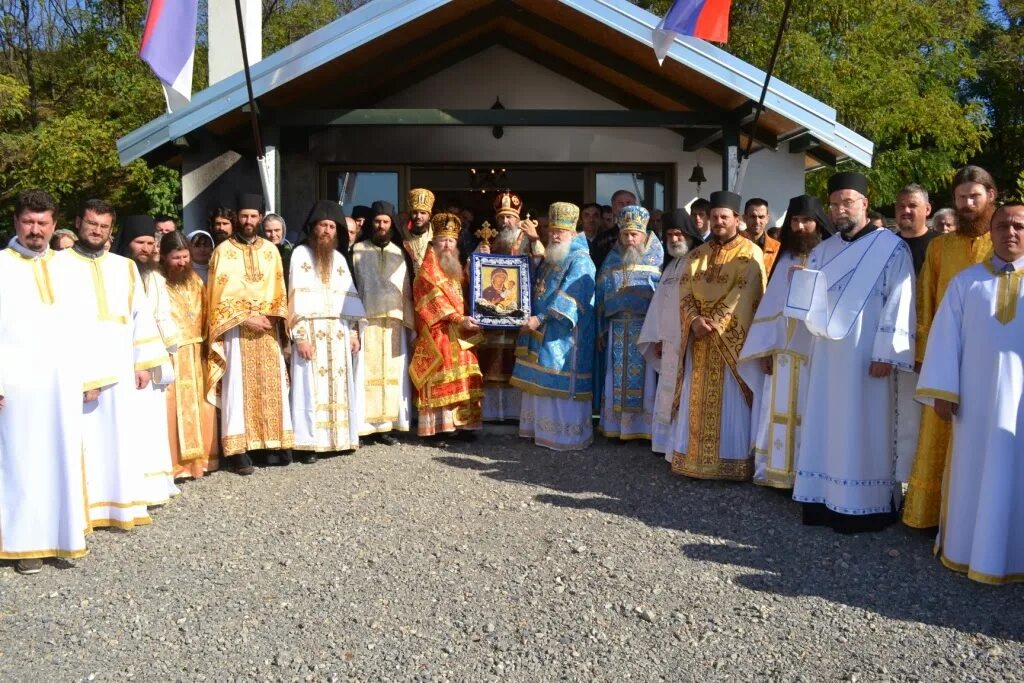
(387, 440)
(271, 459)
(465, 436)
(243, 465)
(307, 458)
(285, 456)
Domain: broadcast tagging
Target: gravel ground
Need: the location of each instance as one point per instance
(500, 561)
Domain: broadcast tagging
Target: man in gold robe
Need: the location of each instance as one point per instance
(497, 354)
(191, 419)
(382, 279)
(247, 379)
(444, 368)
(974, 192)
(720, 289)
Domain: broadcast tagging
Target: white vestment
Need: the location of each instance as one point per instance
(778, 410)
(157, 465)
(127, 339)
(383, 282)
(975, 358)
(42, 499)
(326, 390)
(847, 457)
(662, 326)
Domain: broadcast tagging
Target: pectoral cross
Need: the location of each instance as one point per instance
(486, 233)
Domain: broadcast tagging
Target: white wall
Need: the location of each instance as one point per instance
(524, 84)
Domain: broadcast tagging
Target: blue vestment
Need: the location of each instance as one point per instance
(558, 358)
(622, 297)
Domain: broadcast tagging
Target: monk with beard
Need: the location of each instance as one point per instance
(325, 319)
(974, 193)
(191, 420)
(625, 286)
(444, 367)
(772, 355)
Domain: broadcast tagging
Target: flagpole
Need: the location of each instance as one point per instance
(254, 117)
(741, 171)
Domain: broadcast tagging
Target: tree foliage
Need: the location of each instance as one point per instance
(71, 83)
(999, 89)
(892, 69)
(934, 83)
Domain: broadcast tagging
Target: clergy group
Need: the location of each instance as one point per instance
(871, 374)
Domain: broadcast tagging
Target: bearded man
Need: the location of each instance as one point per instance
(774, 354)
(247, 378)
(191, 419)
(555, 354)
(325, 318)
(136, 240)
(974, 192)
(417, 235)
(856, 298)
(444, 368)
(128, 347)
(660, 335)
(497, 354)
(382, 278)
(720, 288)
(626, 283)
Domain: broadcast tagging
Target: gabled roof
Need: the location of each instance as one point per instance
(605, 44)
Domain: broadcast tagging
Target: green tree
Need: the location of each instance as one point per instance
(892, 69)
(71, 83)
(1000, 53)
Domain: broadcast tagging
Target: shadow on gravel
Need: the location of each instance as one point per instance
(757, 532)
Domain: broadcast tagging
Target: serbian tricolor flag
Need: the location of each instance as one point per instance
(707, 19)
(169, 47)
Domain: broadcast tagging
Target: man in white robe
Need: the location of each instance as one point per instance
(325, 316)
(660, 335)
(42, 505)
(385, 287)
(857, 299)
(136, 240)
(973, 375)
(773, 354)
(128, 346)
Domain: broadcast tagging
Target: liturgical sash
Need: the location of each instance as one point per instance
(808, 298)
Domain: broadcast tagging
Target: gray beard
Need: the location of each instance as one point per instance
(677, 250)
(146, 267)
(845, 225)
(556, 253)
(449, 263)
(632, 254)
(507, 239)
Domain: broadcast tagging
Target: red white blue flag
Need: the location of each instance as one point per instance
(706, 19)
(169, 47)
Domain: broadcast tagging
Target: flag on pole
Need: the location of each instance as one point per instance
(706, 19)
(169, 47)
